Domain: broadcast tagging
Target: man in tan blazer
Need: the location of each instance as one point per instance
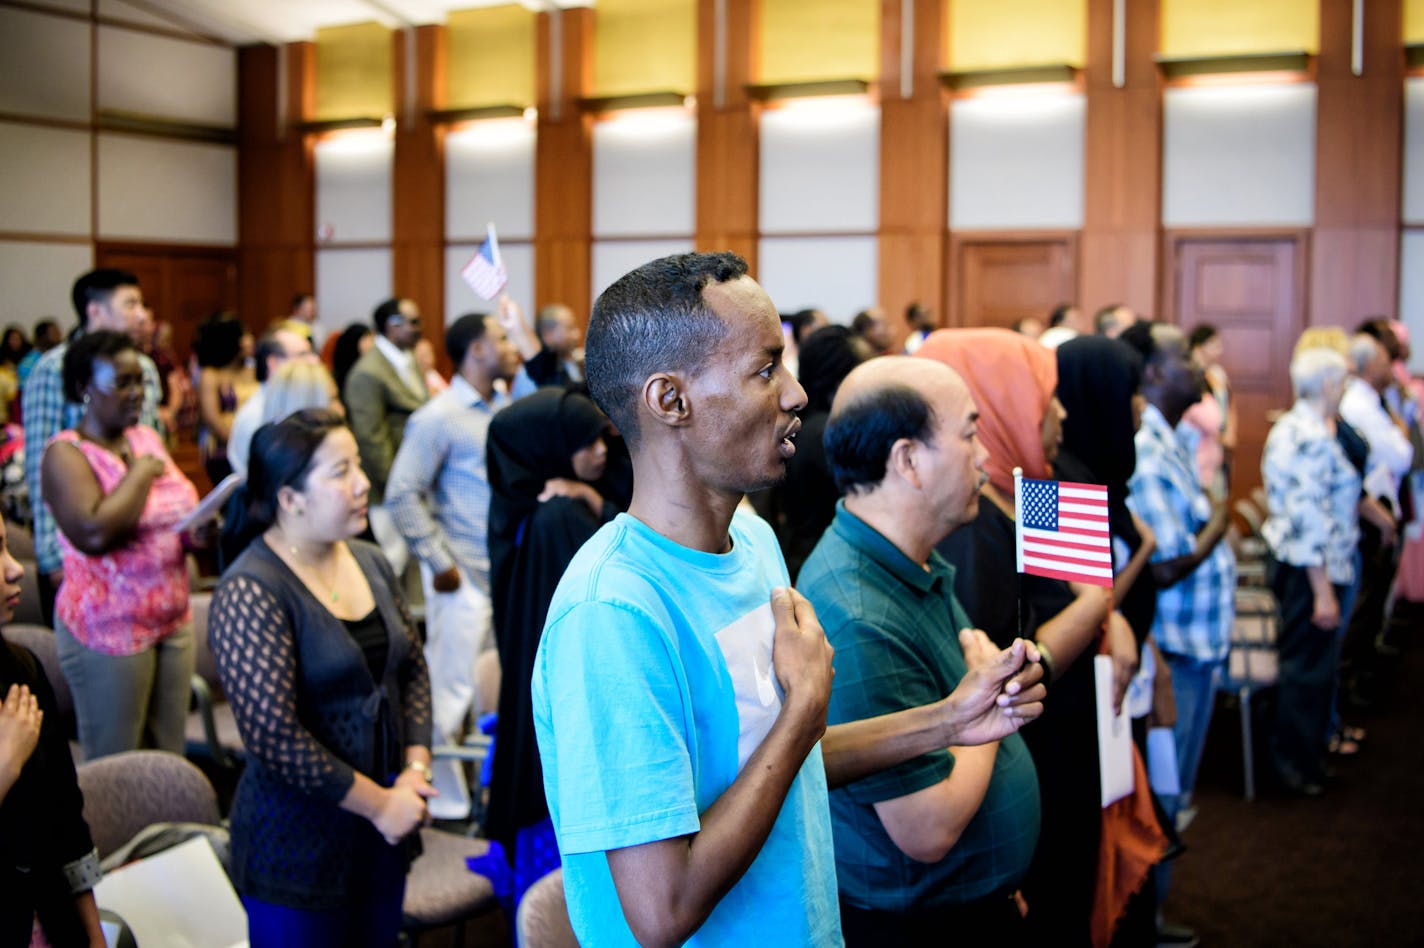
(381, 392)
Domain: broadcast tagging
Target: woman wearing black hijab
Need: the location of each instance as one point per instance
(1098, 383)
(545, 453)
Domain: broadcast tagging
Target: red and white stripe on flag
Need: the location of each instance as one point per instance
(484, 273)
(1062, 531)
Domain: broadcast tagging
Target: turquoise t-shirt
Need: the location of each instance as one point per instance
(652, 686)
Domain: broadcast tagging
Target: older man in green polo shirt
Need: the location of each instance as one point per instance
(930, 851)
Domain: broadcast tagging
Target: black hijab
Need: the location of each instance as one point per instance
(1097, 379)
(530, 442)
(531, 544)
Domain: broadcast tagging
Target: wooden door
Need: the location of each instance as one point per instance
(183, 285)
(1251, 289)
(998, 280)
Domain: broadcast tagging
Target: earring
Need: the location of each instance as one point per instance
(301, 511)
(86, 398)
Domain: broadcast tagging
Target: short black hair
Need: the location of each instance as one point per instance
(267, 347)
(79, 358)
(860, 434)
(219, 340)
(383, 313)
(299, 298)
(45, 326)
(463, 333)
(1201, 335)
(652, 319)
(1139, 337)
(1379, 329)
(97, 286)
(862, 322)
(800, 321)
(1060, 313)
(827, 357)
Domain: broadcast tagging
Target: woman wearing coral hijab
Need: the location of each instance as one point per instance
(1012, 379)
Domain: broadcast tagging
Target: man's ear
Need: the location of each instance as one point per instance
(665, 397)
(903, 461)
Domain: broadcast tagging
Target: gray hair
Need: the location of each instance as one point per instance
(1312, 369)
(1363, 350)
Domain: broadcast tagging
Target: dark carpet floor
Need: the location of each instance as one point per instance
(1341, 870)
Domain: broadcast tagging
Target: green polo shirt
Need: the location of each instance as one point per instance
(895, 627)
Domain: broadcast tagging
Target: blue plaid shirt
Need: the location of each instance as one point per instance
(1194, 616)
(47, 413)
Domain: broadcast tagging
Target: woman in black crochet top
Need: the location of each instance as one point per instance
(328, 684)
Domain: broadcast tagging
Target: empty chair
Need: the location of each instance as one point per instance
(125, 793)
(440, 889)
(543, 919)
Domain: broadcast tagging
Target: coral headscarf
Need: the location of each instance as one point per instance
(1012, 378)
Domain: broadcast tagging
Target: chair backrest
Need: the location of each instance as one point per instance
(543, 917)
(204, 664)
(39, 639)
(125, 793)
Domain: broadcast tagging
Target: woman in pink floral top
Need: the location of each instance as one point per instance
(122, 622)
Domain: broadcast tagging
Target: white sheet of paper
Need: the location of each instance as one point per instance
(179, 898)
(211, 505)
(1114, 737)
(1162, 762)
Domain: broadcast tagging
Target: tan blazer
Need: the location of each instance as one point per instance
(378, 402)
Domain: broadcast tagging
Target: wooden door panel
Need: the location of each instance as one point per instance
(1250, 289)
(998, 280)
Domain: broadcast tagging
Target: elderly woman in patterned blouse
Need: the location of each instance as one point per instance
(1312, 530)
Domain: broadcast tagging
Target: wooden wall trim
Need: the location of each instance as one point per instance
(276, 186)
(728, 142)
(1122, 190)
(914, 161)
(1359, 128)
(563, 161)
(418, 179)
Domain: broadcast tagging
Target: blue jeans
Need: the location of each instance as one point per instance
(1194, 685)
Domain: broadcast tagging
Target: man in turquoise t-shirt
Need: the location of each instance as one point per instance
(680, 689)
(933, 848)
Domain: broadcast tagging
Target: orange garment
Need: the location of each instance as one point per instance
(1132, 843)
(1012, 378)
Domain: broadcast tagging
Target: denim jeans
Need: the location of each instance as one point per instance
(1194, 685)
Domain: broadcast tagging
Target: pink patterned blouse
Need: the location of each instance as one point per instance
(122, 602)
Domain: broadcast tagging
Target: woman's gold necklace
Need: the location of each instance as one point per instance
(329, 588)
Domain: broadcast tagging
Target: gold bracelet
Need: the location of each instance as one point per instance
(421, 768)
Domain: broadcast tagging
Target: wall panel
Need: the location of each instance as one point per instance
(1227, 27)
(460, 299)
(1411, 293)
(1002, 34)
(44, 188)
(1238, 156)
(167, 191)
(1016, 162)
(835, 274)
(349, 285)
(613, 258)
(169, 78)
(1413, 207)
(37, 279)
(489, 176)
(643, 174)
(353, 186)
(820, 167)
(44, 65)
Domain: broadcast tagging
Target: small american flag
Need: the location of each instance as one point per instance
(1062, 530)
(485, 272)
